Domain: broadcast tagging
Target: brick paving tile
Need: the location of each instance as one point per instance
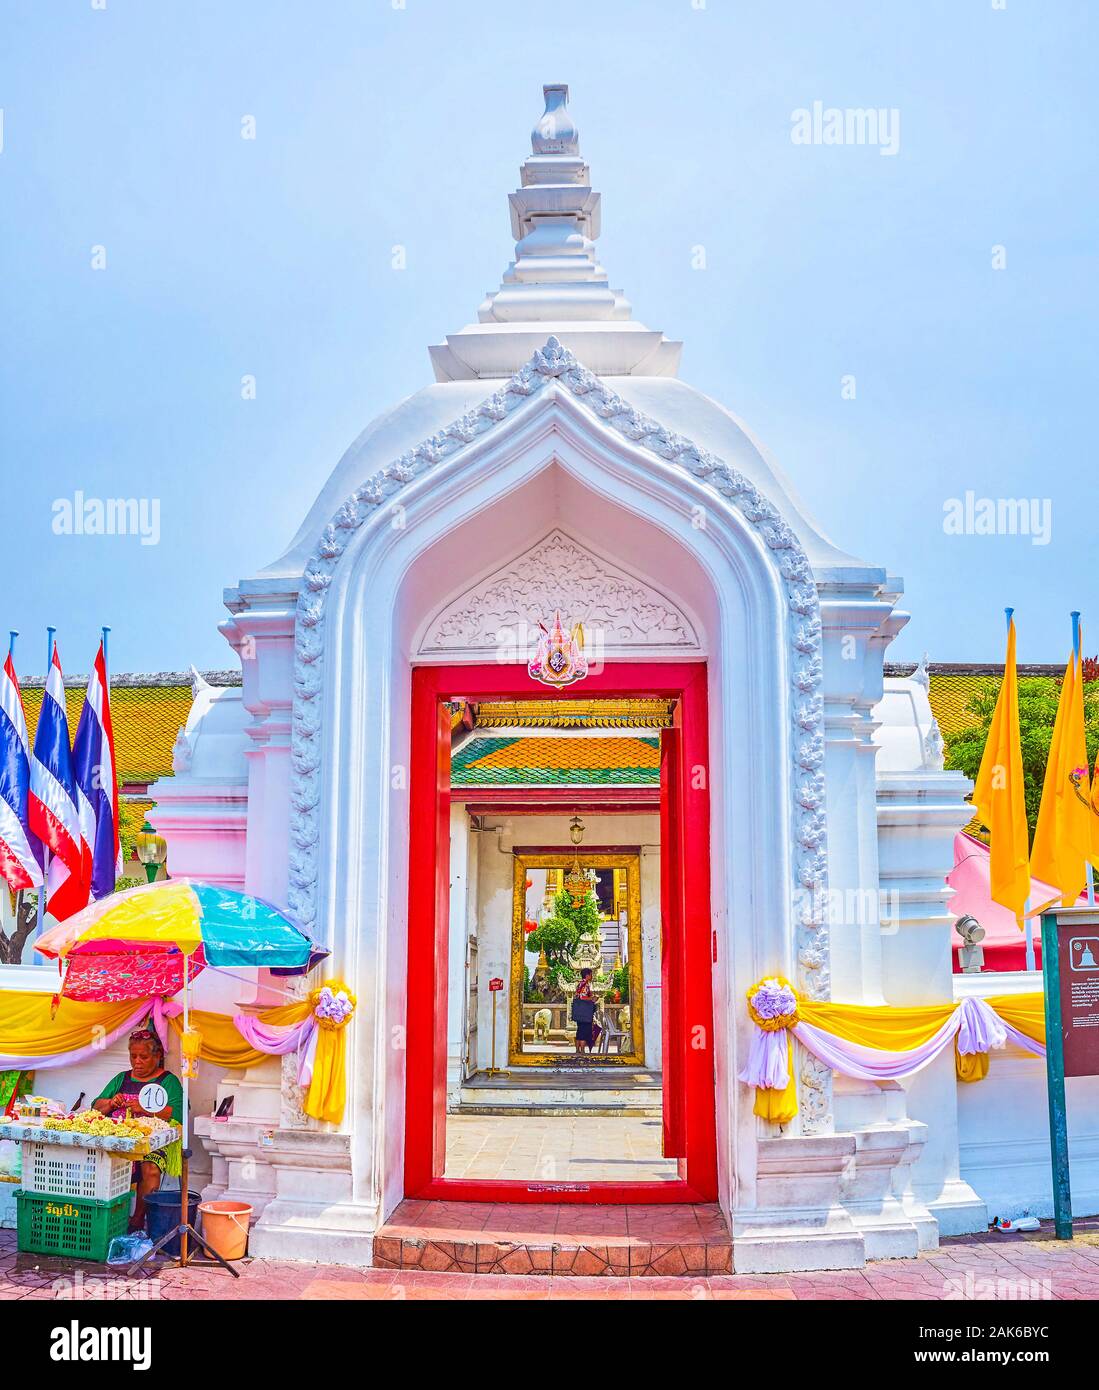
(599, 1264)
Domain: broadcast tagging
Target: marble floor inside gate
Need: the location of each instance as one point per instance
(557, 1148)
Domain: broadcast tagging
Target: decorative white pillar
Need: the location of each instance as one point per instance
(261, 631)
(920, 809)
(858, 618)
(458, 945)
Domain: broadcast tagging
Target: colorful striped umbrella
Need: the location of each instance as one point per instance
(136, 944)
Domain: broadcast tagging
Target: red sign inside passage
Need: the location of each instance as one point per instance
(1078, 961)
(495, 984)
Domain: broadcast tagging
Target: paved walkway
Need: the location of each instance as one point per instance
(971, 1267)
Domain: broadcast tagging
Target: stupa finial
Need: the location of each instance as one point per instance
(556, 131)
(555, 285)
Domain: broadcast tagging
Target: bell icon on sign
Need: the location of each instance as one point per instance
(1087, 960)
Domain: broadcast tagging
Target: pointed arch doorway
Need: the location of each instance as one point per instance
(686, 986)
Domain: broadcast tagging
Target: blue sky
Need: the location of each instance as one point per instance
(378, 126)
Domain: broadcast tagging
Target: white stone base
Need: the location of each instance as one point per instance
(835, 1201)
(800, 1222)
(340, 1233)
(779, 1242)
(958, 1210)
(313, 1215)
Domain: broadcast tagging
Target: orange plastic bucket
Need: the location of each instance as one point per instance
(225, 1227)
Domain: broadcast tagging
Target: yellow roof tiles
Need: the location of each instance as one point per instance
(146, 719)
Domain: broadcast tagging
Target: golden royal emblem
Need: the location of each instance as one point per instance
(559, 658)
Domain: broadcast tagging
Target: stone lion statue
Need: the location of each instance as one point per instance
(542, 1020)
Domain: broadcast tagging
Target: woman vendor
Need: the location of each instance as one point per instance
(121, 1094)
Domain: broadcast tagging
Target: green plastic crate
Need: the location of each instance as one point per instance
(80, 1227)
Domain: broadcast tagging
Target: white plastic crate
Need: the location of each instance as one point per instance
(63, 1170)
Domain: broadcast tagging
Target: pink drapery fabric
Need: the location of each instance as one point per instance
(978, 1029)
(768, 1063)
(277, 1040)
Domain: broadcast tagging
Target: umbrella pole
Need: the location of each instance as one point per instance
(184, 1229)
(184, 1179)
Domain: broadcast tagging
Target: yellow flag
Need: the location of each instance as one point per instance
(1063, 838)
(999, 795)
(1095, 812)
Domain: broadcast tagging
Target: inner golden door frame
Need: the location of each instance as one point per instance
(630, 866)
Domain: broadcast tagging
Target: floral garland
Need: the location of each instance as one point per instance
(773, 1004)
(873, 1043)
(332, 1005)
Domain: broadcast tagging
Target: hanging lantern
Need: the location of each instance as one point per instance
(577, 882)
(190, 1045)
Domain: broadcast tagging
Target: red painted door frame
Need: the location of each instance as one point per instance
(687, 939)
(672, 919)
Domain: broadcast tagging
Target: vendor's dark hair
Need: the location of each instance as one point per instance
(585, 974)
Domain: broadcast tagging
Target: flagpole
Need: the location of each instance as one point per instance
(1077, 643)
(13, 633)
(50, 634)
(1028, 926)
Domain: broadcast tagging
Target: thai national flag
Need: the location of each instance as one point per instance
(20, 847)
(96, 785)
(53, 805)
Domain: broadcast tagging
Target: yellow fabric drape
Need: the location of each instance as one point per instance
(327, 1093)
(1027, 1012)
(885, 1028)
(970, 1066)
(899, 1029)
(223, 1045)
(779, 1107)
(28, 1028)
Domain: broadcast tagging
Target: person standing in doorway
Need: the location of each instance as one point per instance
(583, 1014)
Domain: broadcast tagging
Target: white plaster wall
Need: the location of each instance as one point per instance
(1003, 1129)
(1003, 1121)
(495, 883)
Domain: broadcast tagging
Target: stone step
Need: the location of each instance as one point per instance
(627, 1092)
(555, 1240)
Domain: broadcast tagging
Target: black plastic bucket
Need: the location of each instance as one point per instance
(162, 1213)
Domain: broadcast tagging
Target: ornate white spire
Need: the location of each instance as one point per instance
(555, 284)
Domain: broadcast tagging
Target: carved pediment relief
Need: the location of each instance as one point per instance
(618, 610)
